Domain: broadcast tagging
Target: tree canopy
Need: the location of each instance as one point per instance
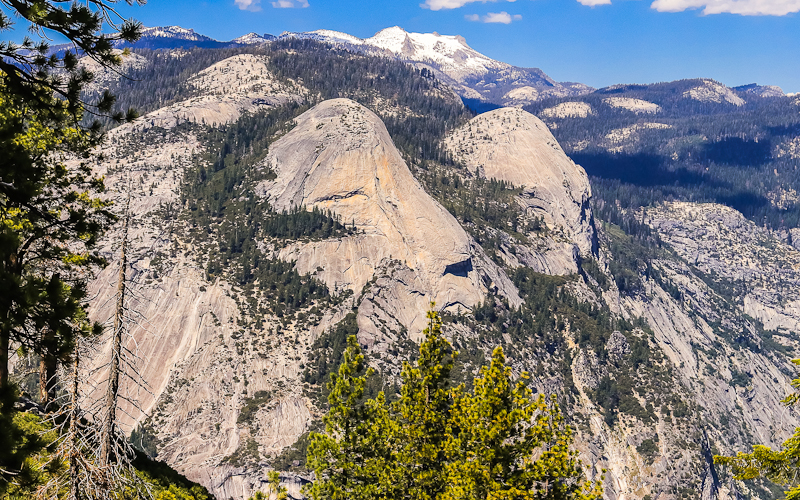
(50, 213)
(437, 441)
(36, 73)
(779, 466)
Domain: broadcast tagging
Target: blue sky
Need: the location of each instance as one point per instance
(612, 41)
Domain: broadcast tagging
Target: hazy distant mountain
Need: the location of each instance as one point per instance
(170, 37)
(478, 79)
(473, 75)
(761, 90)
(253, 38)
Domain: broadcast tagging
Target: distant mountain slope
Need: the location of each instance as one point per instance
(473, 75)
(693, 140)
(476, 77)
(171, 37)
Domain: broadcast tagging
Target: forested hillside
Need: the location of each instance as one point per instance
(716, 145)
(294, 204)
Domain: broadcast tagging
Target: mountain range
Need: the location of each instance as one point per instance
(636, 248)
(476, 77)
(481, 81)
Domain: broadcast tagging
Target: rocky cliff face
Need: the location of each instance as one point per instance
(512, 145)
(339, 157)
(702, 345)
(224, 92)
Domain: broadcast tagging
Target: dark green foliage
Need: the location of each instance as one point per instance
(251, 406)
(648, 449)
(711, 152)
(540, 323)
(36, 74)
(28, 440)
(740, 378)
(247, 452)
(299, 223)
(165, 478)
(145, 439)
(22, 436)
(338, 73)
(163, 80)
(220, 201)
(375, 82)
(297, 452)
(614, 394)
(329, 351)
(441, 442)
(632, 245)
(590, 267)
(481, 205)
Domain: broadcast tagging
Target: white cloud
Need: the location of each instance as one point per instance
(742, 7)
(592, 3)
(451, 4)
(494, 17)
(251, 5)
(290, 4)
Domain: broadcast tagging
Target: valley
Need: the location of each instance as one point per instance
(635, 248)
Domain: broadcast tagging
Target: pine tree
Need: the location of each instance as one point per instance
(50, 216)
(781, 467)
(506, 444)
(50, 219)
(423, 410)
(353, 459)
(32, 73)
(443, 443)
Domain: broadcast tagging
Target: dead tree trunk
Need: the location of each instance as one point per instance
(47, 378)
(47, 369)
(4, 347)
(74, 473)
(112, 391)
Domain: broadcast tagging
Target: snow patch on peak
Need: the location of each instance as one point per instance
(175, 32)
(450, 53)
(388, 38)
(337, 36)
(252, 39)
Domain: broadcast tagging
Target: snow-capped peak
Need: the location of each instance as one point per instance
(338, 36)
(174, 32)
(388, 38)
(252, 39)
(329, 36)
(449, 52)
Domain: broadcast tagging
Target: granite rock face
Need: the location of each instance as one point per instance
(222, 93)
(339, 157)
(717, 240)
(515, 146)
(206, 355)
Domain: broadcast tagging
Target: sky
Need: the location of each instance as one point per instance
(596, 42)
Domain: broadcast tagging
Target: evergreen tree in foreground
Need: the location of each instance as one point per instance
(496, 441)
(781, 467)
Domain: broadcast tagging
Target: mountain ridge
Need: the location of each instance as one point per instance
(653, 350)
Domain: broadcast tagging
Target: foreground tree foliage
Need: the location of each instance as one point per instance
(50, 217)
(28, 445)
(781, 467)
(35, 73)
(496, 441)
